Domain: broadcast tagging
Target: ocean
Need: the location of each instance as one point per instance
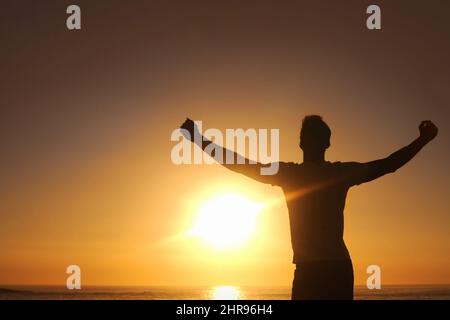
(409, 292)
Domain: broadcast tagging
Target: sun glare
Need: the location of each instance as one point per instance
(225, 293)
(226, 221)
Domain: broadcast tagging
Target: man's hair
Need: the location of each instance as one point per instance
(315, 133)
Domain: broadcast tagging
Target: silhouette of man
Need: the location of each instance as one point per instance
(315, 192)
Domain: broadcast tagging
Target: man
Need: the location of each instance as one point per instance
(315, 192)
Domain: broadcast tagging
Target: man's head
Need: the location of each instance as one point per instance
(314, 134)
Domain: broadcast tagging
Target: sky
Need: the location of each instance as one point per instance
(86, 118)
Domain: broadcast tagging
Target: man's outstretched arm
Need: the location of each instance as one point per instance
(251, 169)
(375, 169)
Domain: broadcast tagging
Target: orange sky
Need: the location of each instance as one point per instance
(87, 176)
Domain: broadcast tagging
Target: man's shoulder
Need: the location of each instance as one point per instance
(288, 168)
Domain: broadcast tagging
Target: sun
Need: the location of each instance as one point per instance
(226, 221)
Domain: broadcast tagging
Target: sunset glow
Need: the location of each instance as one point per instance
(87, 174)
